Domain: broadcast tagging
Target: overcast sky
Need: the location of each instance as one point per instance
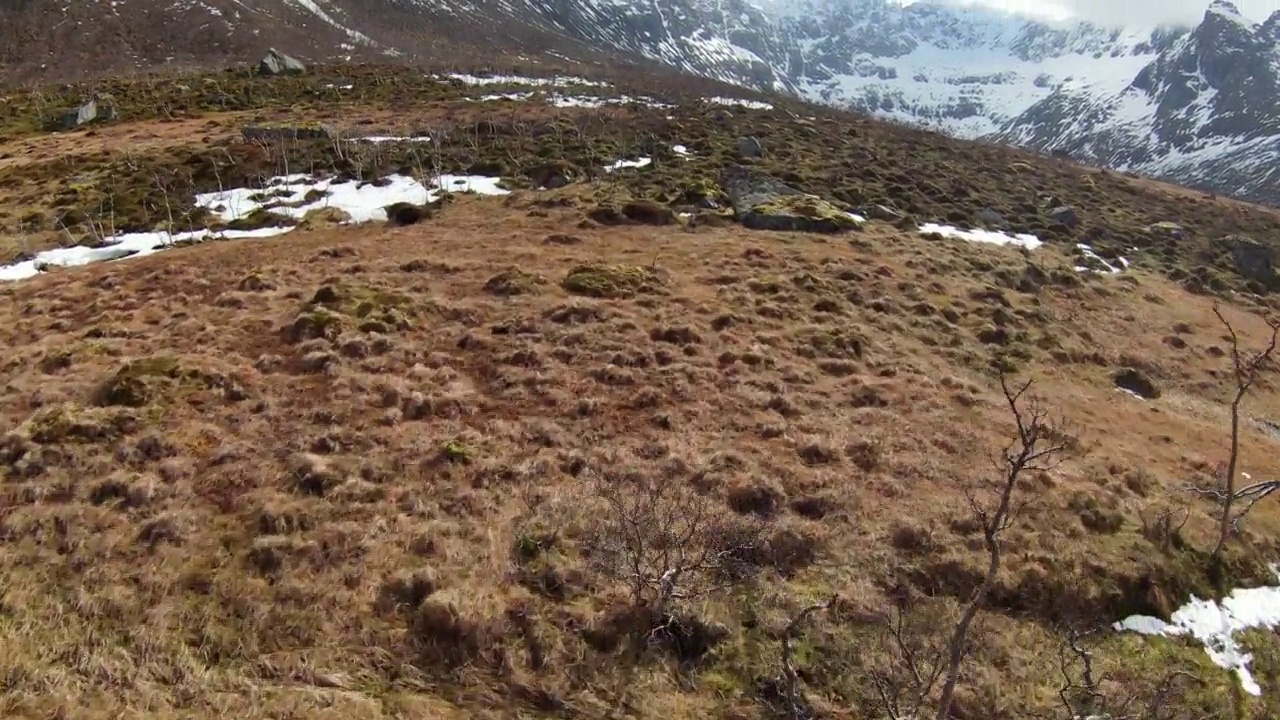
(1129, 12)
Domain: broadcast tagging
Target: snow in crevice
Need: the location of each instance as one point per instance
(315, 9)
(1215, 626)
(1099, 264)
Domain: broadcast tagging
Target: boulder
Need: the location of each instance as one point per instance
(96, 109)
(1065, 215)
(277, 63)
(884, 213)
(761, 202)
(1253, 260)
(749, 147)
(992, 220)
(1168, 229)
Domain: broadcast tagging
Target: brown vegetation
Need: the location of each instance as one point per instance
(507, 460)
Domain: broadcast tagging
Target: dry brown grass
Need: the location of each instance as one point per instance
(348, 481)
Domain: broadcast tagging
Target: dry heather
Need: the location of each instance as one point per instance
(419, 471)
(349, 473)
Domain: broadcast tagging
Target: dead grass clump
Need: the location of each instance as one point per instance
(441, 637)
(136, 383)
(612, 281)
(755, 498)
(312, 475)
(514, 282)
(405, 591)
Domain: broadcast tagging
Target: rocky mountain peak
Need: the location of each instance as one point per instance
(1147, 101)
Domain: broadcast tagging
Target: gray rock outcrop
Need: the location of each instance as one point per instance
(761, 202)
(277, 63)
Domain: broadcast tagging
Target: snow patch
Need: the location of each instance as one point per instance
(1214, 626)
(288, 196)
(558, 80)
(1097, 260)
(637, 163)
(750, 104)
(991, 237)
(123, 246)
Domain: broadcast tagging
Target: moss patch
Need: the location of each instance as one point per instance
(612, 281)
(798, 212)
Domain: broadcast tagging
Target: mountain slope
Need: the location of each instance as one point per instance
(378, 470)
(1205, 112)
(1193, 105)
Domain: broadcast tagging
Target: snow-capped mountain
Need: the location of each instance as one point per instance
(1194, 104)
(1205, 111)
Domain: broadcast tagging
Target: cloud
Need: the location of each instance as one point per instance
(1130, 13)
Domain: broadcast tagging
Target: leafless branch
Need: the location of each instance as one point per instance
(790, 679)
(1034, 448)
(1246, 367)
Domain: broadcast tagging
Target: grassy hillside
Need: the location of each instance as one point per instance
(441, 469)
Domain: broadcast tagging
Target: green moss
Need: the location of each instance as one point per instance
(314, 323)
(799, 212)
(455, 451)
(611, 281)
(67, 422)
(514, 282)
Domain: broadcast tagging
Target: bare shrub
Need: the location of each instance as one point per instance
(663, 539)
(1246, 368)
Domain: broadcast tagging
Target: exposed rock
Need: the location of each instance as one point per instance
(271, 133)
(1065, 215)
(749, 147)
(552, 175)
(1168, 229)
(277, 63)
(1253, 260)
(992, 220)
(884, 213)
(761, 202)
(95, 109)
(1136, 382)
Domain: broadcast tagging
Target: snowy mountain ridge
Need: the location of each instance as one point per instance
(1198, 105)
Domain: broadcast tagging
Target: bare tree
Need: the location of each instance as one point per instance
(1034, 449)
(1246, 368)
(662, 538)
